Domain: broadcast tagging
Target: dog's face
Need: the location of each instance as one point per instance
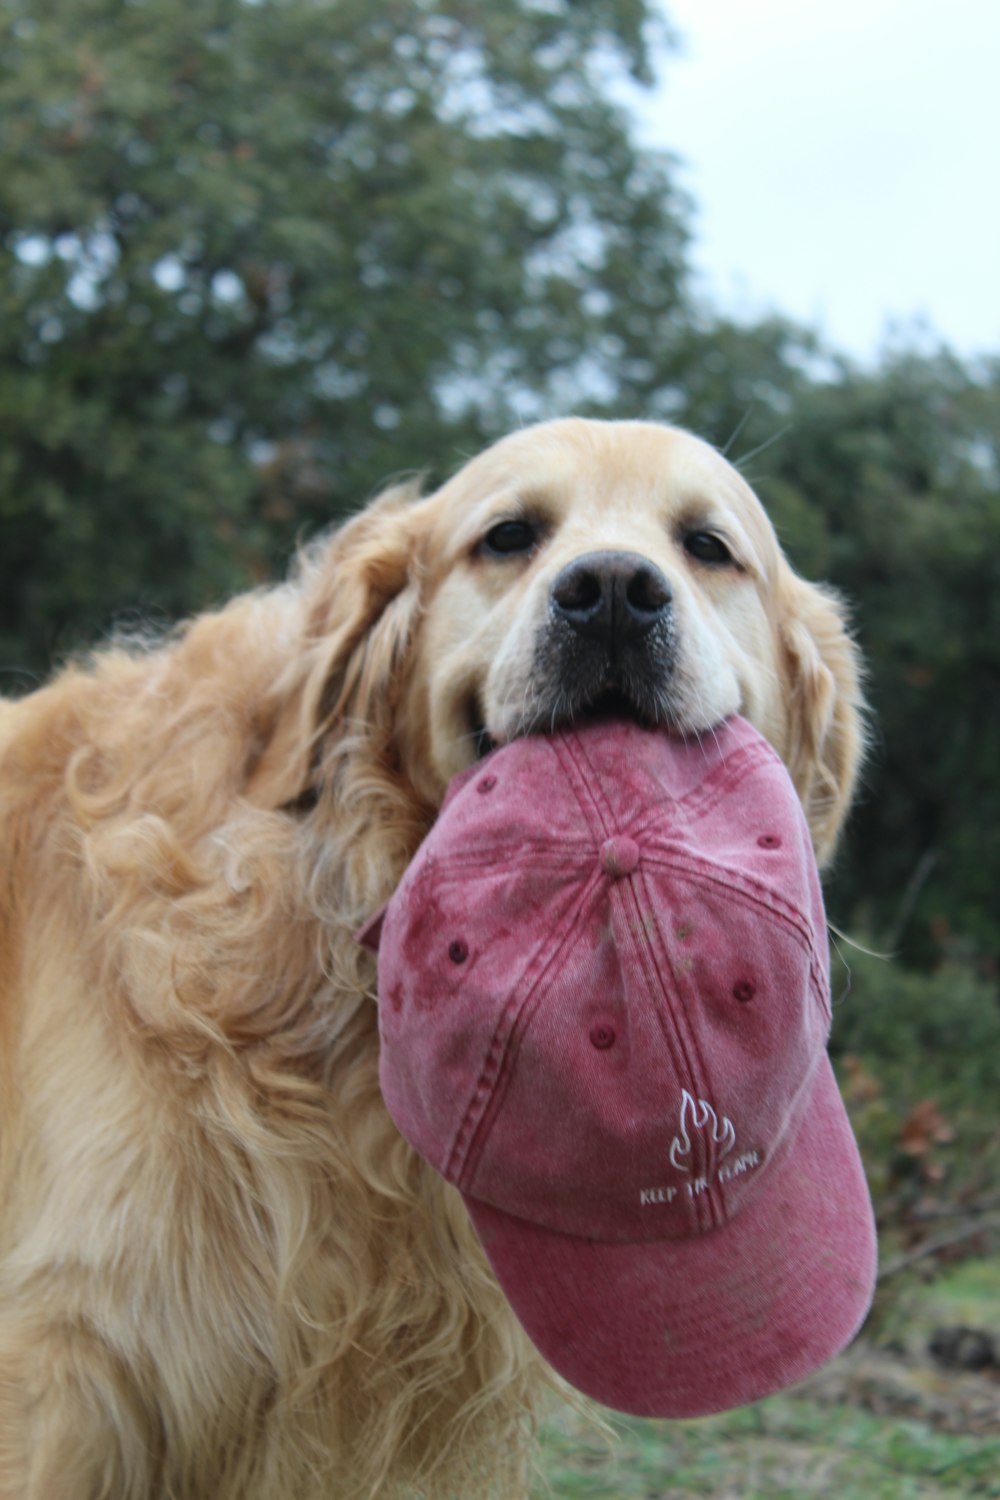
(585, 568)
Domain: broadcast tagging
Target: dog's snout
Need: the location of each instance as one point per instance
(614, 597)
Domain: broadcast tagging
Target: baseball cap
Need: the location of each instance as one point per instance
(604, 1004)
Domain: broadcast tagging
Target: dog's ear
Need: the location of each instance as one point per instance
(825, 705)
(360, 594)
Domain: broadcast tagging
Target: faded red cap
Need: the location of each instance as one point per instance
(604, 1007)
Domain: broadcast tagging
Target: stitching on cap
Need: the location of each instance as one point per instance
(653, 952)
(544, 853)
(570, 752)
(736, 882)
(723, 778)
(720, 781)
(744, 889)
(702, 799)
(494, 1076)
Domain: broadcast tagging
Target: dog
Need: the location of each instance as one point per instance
(223, 1274)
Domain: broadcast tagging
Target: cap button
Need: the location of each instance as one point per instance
(619, 856)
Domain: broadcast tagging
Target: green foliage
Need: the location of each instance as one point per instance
(256, 255)
(916, 1055)
(934, 1034)
(903, 466)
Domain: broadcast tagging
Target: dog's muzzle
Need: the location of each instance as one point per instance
(610, 643)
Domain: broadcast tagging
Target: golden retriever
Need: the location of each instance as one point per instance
(223, 1275)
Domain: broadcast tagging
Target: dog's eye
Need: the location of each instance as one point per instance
(509, 537)
(706, 547)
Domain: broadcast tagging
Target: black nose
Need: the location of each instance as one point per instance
(614, 597)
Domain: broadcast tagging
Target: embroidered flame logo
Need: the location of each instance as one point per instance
(698, 1114)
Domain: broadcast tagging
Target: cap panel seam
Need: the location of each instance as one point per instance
(494, 1076)
(727, 775)
(570, 751)
(720, 783)
(653, 952)
(761, 898)
(735, 882)
(459, 862)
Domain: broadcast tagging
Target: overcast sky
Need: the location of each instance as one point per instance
(844, 160)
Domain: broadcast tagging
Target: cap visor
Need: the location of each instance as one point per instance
(679, 1328)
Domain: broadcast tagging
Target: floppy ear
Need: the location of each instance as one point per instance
(825, 706)
(360, 599)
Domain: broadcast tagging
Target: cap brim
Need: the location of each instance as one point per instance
(684, 1328)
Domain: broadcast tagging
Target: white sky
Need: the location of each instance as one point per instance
(844, 161)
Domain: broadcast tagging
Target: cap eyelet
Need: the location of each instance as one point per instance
(744, 990)
(769, 841)
(487, 784)
(458, 951)
(602, 1036)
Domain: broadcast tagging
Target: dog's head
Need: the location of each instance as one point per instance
(578, 569)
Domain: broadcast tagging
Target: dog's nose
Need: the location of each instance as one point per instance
(614, 597)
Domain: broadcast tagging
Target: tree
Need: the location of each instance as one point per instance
(255, 255)
(903, 466)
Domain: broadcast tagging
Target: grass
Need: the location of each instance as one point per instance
(970, 1294)
(832, 1439)
(782, 1449)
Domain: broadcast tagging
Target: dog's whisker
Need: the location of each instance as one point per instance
(762, 447)
(738, 428)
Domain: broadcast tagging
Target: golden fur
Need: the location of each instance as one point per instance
(223, 1275)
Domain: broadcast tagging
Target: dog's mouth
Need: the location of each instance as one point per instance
(484, 741)
(475, 716)
(612, 705)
